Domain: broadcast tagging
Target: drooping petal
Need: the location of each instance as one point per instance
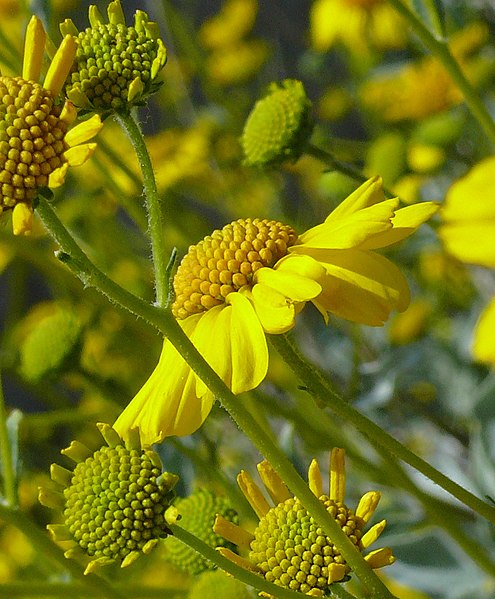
(483, 344)
(60, 65)
(470, 241)
(34, 47)
(276, 314)
(350, 231)
(231, 339)
(167, 404)
(361, 286)
(367, 194)
(404, 223)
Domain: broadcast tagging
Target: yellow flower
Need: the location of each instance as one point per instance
(358, 24)
(36, 146)
(468, 233)
(252, 278)
(288, 547)
(424, 87)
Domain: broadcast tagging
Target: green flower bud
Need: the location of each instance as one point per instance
(279, 125)
(198, 513)
(116, 502)
(116, 65)
(50, 346)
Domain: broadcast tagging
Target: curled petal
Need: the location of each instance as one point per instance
(274, 311)
(286, 280)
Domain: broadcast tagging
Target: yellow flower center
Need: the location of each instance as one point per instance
(225, 262)
(294, 552)
(31, 139)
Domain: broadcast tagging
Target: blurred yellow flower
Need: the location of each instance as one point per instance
(358, 24)
(252, 278)
(36, 147)
(231, 24)
(423, 88)
(468, 233)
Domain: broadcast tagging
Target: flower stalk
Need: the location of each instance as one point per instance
(8, 468)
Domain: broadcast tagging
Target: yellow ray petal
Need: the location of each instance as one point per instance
(84, 131)
(78, 155)
(336, 572)
(232, 341)
(237, 559)
(34, 47)
(22, 219)
(57, 177)
(68, 114)
(380, 558)
(60, 65)
(314, 479)
(367, 505)
(167, 403)
(372, 534)
(233, 533)
(295, 287)
(404, 223)
(253, 494)
(337, 475)
(350, 231)
(470, 241)
(275, 312)
(367, 194)
(361, 286)
(115, 13)
(275, 486)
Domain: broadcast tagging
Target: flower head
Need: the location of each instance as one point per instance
(279, 125)
(116, 65)
(197, 515)
(36, 145)
(252, 278)
(288, 547)
(116, 503)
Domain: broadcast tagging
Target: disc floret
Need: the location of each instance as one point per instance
(225, 262)
(197, 513)
(116, 65)
(116, 503)
(288, 547)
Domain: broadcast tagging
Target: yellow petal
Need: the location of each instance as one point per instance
(233, 533)
(68, 114)
(361, 286)
(95, 16)
(337, 475)
(78, 155)
(276, 314)
(380, 558)
(253, 494)
(350, 231)
(367, 194)
(67, 27)
(167, 403)
(22, 219)
(275, 486)
(34, 47)
(315, 481)
(57, 177)
(60, 65)
(483, 344)
(372, 534)
(136, 88)
(471, 197)
(231, 339)
(286, 281)
(367, 505)
(115, 13)
(470, 241)
(404, 223)
(84, 131)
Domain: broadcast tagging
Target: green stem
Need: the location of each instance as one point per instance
(8, 469)
(435, 17)
(47, 548)
(130, 125)
(335, 163)
(320, 390)
(75, 258)
(440, 49)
